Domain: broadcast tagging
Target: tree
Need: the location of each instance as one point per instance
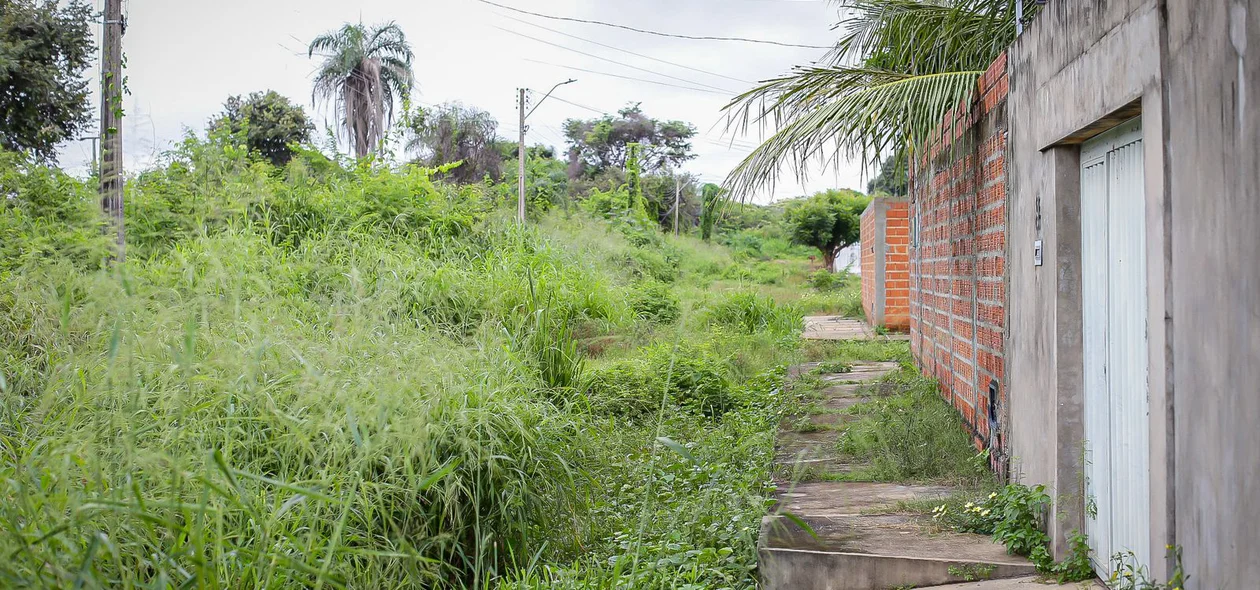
(364, 71)
(270, 122)
(44, 50)
(599, 144)
(898, 68)
(455, 133)
(829, 220)
(892, 178)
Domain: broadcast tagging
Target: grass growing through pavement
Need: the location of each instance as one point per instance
(363, 378)
(906, 431)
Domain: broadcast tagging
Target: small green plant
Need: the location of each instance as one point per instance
(1128, 574)
(825, 280)
(833, 367)
(972, 572)
(1015, 516)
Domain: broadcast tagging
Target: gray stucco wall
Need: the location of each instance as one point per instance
(1191, 69)
(1079, 63)
(1213, 115)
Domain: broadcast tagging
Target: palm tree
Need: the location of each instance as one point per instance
(362, 73)
(894, 74)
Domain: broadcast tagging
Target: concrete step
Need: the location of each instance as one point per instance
(1023, 583)
(853, 543)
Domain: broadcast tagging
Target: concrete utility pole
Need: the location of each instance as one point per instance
(677, 193)
(111, 124)
(520, 162)
(520, 148)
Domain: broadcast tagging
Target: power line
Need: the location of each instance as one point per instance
(581, 106)
(612, 61)
(657, 33)
(624, 77)
(614, 48)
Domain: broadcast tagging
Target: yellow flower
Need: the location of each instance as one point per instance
(969, 504)
(993, 495)
(985, 513)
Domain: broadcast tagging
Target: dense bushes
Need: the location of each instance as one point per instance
(357, 376)
(751, 313)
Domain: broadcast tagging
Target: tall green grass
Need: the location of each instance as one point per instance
(359, 377)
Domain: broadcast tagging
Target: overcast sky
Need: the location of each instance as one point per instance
(184, 57)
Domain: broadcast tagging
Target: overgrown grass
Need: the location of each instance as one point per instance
(907, 432)
(359, 377)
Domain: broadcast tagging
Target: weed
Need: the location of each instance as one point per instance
(1128, 574)
(972, 571)
(910, 435)
(751, 313)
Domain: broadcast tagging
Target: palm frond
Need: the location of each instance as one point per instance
(823, 113)
(897, 68)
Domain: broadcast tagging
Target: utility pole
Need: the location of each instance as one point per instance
(520, 161)
(677, 193)
(520, 148)
(111, 124)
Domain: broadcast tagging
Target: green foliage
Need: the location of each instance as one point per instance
(453, 133)
(341, 374)
(898, 67)
(1127, 573)
(1015, 516)
(600, 144)
(750, 313)
(634, 169)
(892, 179)
(690, 377)
(829, 221)
(655, 302)
(46, 217)
(823, 280)
(269, 123)
(912, 435)
(45, 48)
(712, 199)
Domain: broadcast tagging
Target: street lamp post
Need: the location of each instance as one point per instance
(520, 149)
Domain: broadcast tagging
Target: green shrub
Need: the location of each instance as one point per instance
(824, 280)
(911, 435)
(750, 313)
(655, 302)
(689, 377)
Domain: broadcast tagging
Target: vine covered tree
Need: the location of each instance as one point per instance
(364, 71)
(899, 66)
(711, 199)
(271, 124)
(44, 50)
(453, 132)
(829, 221)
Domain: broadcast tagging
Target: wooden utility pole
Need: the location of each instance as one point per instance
(520, 162)
(111, 171)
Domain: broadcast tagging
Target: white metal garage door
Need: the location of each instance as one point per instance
(1113, 253)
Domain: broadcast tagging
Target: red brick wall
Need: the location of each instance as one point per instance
(957, 263)
(895, 253)
(897, 267)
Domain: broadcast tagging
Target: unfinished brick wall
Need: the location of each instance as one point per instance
(897, 267)
(957, 259)
(886, 263)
